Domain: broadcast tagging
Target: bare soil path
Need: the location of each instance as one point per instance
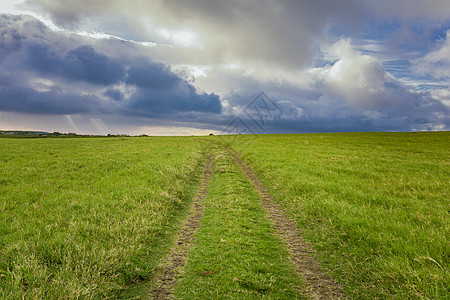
(320, 286)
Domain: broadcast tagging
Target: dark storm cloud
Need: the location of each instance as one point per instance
(184, 99)
(58, 73)
(10, 40)
(85, 63)
(114, 94)
(150, 75)
(27, 100)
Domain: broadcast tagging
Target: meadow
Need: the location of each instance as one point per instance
(375, 206)
(95, 217)
(89, 217)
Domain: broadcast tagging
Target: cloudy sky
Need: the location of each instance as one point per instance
(197, 66)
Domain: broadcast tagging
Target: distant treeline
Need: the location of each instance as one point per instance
(20, 133)
(44, 134)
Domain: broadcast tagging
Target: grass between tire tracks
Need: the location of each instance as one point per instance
(236, 254)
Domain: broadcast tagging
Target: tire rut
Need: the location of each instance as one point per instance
(320, 286)
(175, 262)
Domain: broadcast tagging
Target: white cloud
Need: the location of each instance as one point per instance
(442, 95)
(437, 62)
(181, 37)
(357, 78)
(290, 111)
(41, 84)
(10, 6)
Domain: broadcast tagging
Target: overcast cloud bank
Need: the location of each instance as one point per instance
(330, 66)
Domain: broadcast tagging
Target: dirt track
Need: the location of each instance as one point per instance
(176, 260)
(319, 285)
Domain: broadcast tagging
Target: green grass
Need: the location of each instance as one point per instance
(374, 205)
(87, 218)
(236, 253)
(92, 218)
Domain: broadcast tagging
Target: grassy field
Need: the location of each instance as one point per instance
(94, 217)
(375, 206)
(89, 217)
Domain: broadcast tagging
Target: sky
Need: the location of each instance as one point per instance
(192, 67)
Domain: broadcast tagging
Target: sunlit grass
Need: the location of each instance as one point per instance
(374, 205)
(89, 217)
